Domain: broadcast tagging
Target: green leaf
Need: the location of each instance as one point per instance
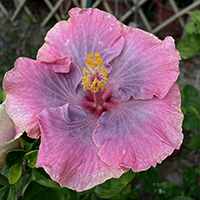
(49, 183)
(36, 191)
(189, 46)
(142, 175)
(47, 194)
(114, 186)
(11, 194)
(32, 158)
(30, 144)
(28, 139)
(18, 185)
(167, 190)
(194, 26)
(184, 110)
(152, 179)
(7, 193)
(15, 156)
(189, 177)
(38, 174)
(191, 119)
(4, 193)
(3, 180)
(35, 174)
(191, 28)
(2, 95)
(133, 194)
(15, 173)
(66, 194)
(33, 189)
(182, 198)
(126, 194)
(182, 96)
(5, 171)
(195, 142)
(195, 190)
(197, 170)
(191, 97)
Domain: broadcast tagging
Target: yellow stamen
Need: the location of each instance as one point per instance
(95, 64)
(88, 62)
(94, 74)
(100, 61)
(97, 55)
(90, 55)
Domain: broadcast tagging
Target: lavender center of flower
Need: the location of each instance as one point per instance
(94, 74)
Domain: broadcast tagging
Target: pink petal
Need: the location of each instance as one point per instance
(86, 31)
(67, 151)
(33, 86)
(7, 133)
(140, 133)
(147, 66)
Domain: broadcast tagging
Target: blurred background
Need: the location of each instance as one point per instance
(24, 24)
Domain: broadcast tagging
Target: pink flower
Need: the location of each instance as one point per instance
(9, 133)
(102, 96)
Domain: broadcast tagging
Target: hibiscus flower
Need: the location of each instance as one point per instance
(101, 95)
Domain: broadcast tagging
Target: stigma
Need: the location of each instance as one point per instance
(94, 74)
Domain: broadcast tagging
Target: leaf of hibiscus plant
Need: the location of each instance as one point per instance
(182, 198)
(189, 177)
(15, 156)
(191, 97)
(191, 119)
(197, 170)
(195, 190)
(195, 142)
(46, 189)
(188, 46)
(191, 108)
(32, 158)
(7, 192)
(194, 26)
(114, 186)
(3, 180)
(15, 173)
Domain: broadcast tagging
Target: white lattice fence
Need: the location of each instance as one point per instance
(21, 5)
